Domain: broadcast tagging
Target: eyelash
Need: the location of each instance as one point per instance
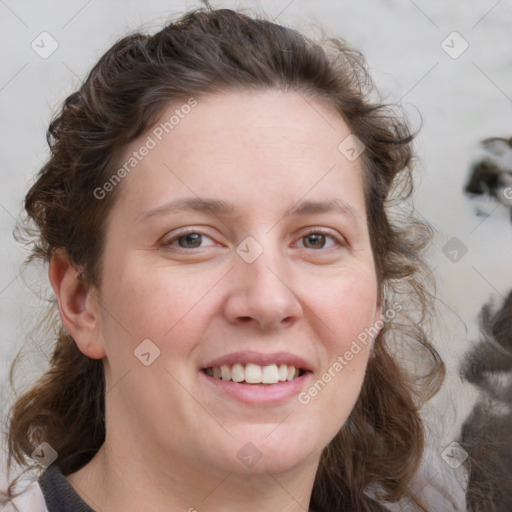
(168, 243)
(324, 233)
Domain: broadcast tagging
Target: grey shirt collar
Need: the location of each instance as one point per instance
(59, 494)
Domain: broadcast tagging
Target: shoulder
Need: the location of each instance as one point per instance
(30, 500)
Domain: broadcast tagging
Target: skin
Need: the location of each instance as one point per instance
(172, 440)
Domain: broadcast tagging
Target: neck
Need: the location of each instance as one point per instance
(128, 478)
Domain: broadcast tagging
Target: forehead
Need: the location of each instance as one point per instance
(258, 144)
(262, 121)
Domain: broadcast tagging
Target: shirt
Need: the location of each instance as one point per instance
(51, 493)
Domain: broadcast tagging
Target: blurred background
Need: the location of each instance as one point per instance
(447, 63)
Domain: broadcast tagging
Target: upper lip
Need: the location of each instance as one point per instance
(261, 359)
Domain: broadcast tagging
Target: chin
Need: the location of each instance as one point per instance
(268, 448)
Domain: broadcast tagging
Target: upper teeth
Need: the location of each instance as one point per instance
(254, 373)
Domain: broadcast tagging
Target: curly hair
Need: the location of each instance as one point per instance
(377, 452)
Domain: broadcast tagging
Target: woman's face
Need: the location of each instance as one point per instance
(239, 248)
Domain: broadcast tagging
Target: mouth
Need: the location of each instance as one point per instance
(257, 379)
(251, 373)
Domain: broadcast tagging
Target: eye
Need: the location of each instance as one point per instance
(317, 239)
(188, 240)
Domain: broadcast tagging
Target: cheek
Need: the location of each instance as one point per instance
(346, 303)
(347, 309)
(157, 305)
(347, 340)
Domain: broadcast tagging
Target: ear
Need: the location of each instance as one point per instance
(378, 320)
(78, 305)
(378, 311)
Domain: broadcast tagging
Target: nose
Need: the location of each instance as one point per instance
(262, 294)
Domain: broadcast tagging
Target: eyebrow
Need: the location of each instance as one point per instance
(223, 208)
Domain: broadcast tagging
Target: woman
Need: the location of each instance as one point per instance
(231, 289)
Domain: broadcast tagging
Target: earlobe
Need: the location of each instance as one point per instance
(78, 305)
(378, 321)
(378, 315)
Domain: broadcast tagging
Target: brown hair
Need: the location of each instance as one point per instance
(377, 452)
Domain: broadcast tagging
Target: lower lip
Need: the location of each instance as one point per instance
(260, 394)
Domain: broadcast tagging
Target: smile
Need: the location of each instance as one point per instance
(257, 379)
(251, 373)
